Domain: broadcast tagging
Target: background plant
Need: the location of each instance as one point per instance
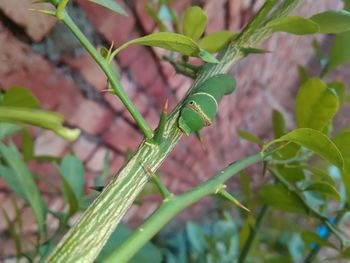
(287, 159)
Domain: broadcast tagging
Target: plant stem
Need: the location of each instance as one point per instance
(313, 253)
(252, 234)
(172, 206)
(87, 237)
(113, 79)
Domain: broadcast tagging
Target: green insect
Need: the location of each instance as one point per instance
(201, 106)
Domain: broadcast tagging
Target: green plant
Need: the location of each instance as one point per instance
(298, 183)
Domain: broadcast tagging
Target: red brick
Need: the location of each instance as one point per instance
(142, 102)
(130, 54)
(48, 143)
(83, 148)
(122, 136)
(95, 163)
(89, 69)
(116, 164)
(144, 69)
(158, 92)
(152, 117)
(17, 68)
(114, 27)
(216, 14)
(128, 86)
(35, 24)
(91, 117)
(147, 22)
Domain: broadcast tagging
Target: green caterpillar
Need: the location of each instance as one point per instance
(201, 106)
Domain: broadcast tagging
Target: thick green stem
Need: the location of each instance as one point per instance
(112, 77)
(172, 206)
(87, 237)
(252, 234)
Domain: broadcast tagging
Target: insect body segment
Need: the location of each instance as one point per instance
(201, 106)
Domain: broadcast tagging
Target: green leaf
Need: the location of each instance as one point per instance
(346, 5)
(315, 141)
(25, 184)
(41, 118)
(194, 22)
(69, 196)
(27, 145)
(320, 174)
(249, 137)
(281, 198)
(303, 74)
(72, 170)
(214, 42)
(342, 141)
(292, 174)
(312, 238)
(196, 237)
(316, 104)
(278, 124)
(340, 52)
(340, 89)
(295, 25)
(19, 97)
(7, 129)
(332, 21)
(112, 5)
(207, 57)
(324, 189)
(154, 15)
(170, 41)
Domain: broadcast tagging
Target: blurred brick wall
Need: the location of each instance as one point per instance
(39, 54)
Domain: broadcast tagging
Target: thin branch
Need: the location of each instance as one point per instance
(110, 73)
(175, 205)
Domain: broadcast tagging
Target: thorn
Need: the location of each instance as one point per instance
(97, 188)
(226, 195)
(43, 11)
(107, 90)
(161, 126)
(201, 140)
(250, 50)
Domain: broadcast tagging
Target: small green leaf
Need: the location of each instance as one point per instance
(25, 184)
(316, 104)
(342, 141)
(27, 145)
(207, 57)
(303, 74)
(347, 7)
(332, 21)
(249, 137)
(325, 189)
(19, 97)
(313, 238)
(320, 174)
(196, 237)
(278, 124)
(112, 5)
(292, 174)
(315, 141)
(170, 41)
(7, 129)
(41, 118)
(340, 52)
(214, 42)
(155, 16)
(72, 170)
(69, 196)
(281, 198)
(295, 25)
(194, 22)
(340, 89)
